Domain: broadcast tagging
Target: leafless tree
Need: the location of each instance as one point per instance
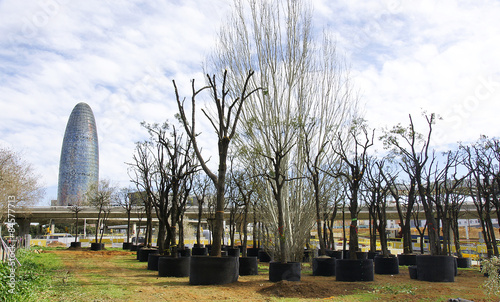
(127, 202)
(413, 149)
(141, 174)
(378, 180)
(224, 122)
(301, 76)
(201, 190)
(102, 196)
(481, 188)
(352, 169)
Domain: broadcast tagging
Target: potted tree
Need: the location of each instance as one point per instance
(201, 190)
(378, 181)
(216, 269)
(422, 170)
(352, 168)
(101, 196)
(76, 206)
(126, 201)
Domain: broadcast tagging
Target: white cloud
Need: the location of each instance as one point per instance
(120, 58)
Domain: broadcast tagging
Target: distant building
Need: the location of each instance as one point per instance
(79, 164)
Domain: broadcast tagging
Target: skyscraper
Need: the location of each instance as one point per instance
(79, 164)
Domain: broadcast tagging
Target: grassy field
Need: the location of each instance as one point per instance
(115, 275)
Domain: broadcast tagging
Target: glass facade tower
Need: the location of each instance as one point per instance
(79, 164)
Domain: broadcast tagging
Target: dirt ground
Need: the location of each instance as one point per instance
(121, 270)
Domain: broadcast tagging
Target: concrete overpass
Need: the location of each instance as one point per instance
(118, 215)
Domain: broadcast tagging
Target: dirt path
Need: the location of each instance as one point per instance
(118, 276)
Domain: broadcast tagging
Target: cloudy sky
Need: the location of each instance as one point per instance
(121, 56)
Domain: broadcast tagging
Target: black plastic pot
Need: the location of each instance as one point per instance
(323, 266)
(233, 251)
(464, 262)
(436, 268)
(354, 270)
(96, 246)
(199, 251)
(386, 265)
(248, 266)
(205, 270)
(407, 259)
(153, 261)
(127, 245)
(144, 253)
(135, 247)
(289, 271)
(75, 244)
(361, 255)
(184, 252)
(253, 252)
(413, 271)
(334, 254)
(372, 255)
(174, 267)
(264, 256)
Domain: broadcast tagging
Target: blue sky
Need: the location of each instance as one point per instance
(120, 57)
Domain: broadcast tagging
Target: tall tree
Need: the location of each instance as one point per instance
(224, 122)
(352, 169)
(141, 174)
(276, 39)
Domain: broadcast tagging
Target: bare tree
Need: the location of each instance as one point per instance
(413, 149)
(75, 206)
(481, 188)
(225, 121)
(275, 38)
(378, 182)
(141, 172)
(127, 202)
(102, 196)
(201, 190)
(352, 168)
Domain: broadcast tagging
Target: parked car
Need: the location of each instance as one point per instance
(141, 240)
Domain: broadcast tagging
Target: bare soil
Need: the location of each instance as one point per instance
(121, 270)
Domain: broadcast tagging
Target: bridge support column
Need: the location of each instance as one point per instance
(134, 229)
(24, 230)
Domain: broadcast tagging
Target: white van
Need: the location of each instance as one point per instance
(61, 237)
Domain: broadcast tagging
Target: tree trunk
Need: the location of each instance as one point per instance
(245, 231)
(318, 215)
(128, 226)
(219, 209)
(181, 232)
(198, 225)
(160, 241)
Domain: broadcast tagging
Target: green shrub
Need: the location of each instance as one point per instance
(491, 267)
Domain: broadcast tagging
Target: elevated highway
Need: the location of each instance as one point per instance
(118, 215)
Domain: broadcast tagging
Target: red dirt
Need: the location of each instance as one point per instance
(146, 285)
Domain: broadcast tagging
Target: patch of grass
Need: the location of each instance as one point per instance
(397, 289)
(263, 268)
(32, 277)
